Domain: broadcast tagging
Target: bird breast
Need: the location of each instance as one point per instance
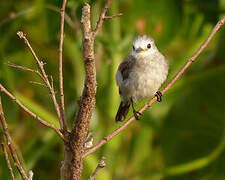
(145, 78)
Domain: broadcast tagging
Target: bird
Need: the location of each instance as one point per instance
(140, 75)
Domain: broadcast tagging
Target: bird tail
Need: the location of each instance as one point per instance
(122, 111)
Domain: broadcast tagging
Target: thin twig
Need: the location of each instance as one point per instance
(101, 165)
(25, 69)
(3, 89)
(52, 83)
(67, 17)
(148, 104)
(76, 21)
(14, 15)
(101, 18)
(10, 144)
(62, 105)
(40, 65)
(7, 161)
(114, 16)
(37, 83)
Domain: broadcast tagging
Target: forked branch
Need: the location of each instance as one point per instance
(25, 69)
(40, 65)
(102, 17)
(4, 90)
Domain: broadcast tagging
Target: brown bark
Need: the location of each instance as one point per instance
(74, 149)
(87, 101)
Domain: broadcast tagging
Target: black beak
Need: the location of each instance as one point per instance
(138, 50)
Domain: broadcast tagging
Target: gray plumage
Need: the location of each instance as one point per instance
(141, 74)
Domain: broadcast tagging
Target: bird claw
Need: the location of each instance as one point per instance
(136, 114)
(158, 94)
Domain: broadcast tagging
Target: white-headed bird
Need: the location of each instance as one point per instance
(140, 75)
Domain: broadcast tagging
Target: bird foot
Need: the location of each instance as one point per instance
(158, 94)
(136, 114)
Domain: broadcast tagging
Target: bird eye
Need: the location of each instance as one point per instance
(133, 48)
(149, 46)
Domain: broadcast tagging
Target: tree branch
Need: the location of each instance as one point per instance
(14, 15)
(40, 65)
(25, 69)
(87, 101)
(148, 104)
(38, 83)
(7, 161)
(76, 21)
(101, 165)
(101, 18)
(62, 107)
(67, 17)
(114, 16)
(30, 112)
(10, 143)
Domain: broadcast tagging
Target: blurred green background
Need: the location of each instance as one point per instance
(181, 138)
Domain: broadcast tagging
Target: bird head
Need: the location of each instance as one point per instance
(143, 45)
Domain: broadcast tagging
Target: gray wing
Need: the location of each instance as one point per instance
(124, 70)
(126, 66)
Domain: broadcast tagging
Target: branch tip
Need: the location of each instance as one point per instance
(20, 34)
(101, 165)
